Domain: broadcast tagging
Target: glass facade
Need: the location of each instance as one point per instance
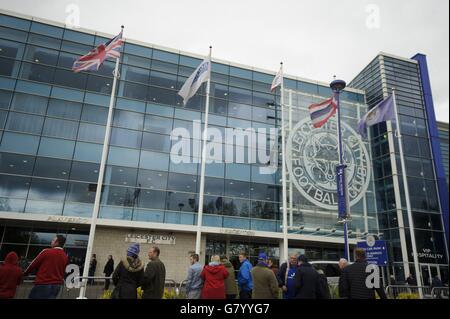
(382, 74)
(52, 125)
(443, 139)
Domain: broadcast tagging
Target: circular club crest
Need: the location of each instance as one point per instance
(313, 159)
(370, 241)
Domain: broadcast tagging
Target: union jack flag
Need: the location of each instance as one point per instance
(94, 59)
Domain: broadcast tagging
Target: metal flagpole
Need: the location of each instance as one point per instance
(101, 172)
(337, 86)
(203, 166)
(283, 169)
(408, 203)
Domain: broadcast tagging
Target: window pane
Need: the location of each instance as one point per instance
(150, 199)
(123, 176)
(237, 188)
(16, 164)
(95, 114)
(134, 74)
(99, 84)
(36, 72)
(60, 128)
(14, 186)
(182, 202)
(88, 152)
(54, 147)
(125, 138)
(157, 124)
(41, 55)
(156, 142)
(163, 79)
(87, 172)
(133, 90)
(182, 182)
(128, 119)
(24, 123)
(64, 109)
(55, 168)
(152, 179)
(46, 29)
(47, 189)
(29, 103)
(154, 161)
(11, 49)
(81, 192)
(70, 79)
(5, 99)
(19, 143)
(91, 133)
(123, 156)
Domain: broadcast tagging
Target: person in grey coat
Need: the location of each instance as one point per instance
(194, 282)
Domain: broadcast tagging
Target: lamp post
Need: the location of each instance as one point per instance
(337, 86)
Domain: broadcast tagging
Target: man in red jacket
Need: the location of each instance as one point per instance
(50, 266)
(10, 276)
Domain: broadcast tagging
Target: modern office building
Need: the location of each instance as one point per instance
(443, 139)
(428, 190)
(52, 126)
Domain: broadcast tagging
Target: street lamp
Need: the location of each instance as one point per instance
(337, 86)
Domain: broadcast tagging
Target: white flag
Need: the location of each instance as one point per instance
(277, 79)
(200, 75)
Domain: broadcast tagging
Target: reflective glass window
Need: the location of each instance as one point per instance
(125, 138)
(128, 119)
(156, 142)
(118, 175)
(60, 128)
(94, 114)
(24, 123)
(16, 164)
(55, 147)
(87, 172)
(29, 103)
(70, 79)
(152, 179)
(44, 189)
(54, 168)
(64, 109)
(91, 133)
(14, 186)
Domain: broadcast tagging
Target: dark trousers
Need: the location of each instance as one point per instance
(245, 294)
(107, 284)
(45, 292)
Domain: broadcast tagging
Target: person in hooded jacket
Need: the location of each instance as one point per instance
(265, 283)
(10, 276)
(128, 275)
(231, 289)
(214, 275)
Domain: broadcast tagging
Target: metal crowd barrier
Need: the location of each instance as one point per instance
(440, 293)
(408, 292)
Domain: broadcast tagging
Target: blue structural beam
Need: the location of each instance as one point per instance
(434, 137)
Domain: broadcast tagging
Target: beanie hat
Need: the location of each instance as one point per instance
(262, 256)
(133, 250)
(302, 258)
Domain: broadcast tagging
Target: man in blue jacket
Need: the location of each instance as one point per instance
(245, 281)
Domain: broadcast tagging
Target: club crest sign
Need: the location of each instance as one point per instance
(313, 157)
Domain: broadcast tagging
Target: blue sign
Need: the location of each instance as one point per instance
(375, 254)
(342, 198)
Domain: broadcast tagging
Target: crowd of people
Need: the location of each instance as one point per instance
(295, 279)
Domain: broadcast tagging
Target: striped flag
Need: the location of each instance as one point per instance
(321, 112)
(94, 59)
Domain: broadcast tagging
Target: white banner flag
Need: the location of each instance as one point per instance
(200, 75)
(277, 79)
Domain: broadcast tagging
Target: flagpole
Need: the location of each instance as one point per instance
(98, 192)
(283, 169)
(337, 86)
(407, 198)
(203, 165)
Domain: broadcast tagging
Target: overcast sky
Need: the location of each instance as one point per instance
(314, 39)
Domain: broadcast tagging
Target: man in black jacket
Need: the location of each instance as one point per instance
(354, 279)
(307, 281)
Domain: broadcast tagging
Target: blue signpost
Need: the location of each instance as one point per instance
(375, 254)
